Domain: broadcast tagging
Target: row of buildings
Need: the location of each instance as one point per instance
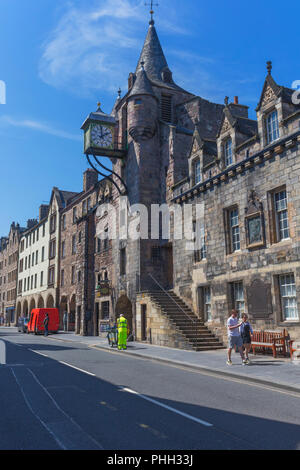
(175, 148)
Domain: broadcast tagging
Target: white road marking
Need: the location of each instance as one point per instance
(2, 352)
(174, 410)
(77, 368)
(37, 352)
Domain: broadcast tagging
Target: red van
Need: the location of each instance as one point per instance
(36, 321)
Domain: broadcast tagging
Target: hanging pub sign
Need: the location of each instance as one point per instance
(103, 289)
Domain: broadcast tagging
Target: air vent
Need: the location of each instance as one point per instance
(166, 108)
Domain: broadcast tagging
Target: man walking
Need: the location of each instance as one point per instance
(234, 337)
(46, 324)
(122, 332)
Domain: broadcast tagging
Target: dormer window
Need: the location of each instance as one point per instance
(196, 171)
(228, 152)
(272, 127)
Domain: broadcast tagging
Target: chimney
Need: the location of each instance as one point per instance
(31, 223)
(236, 100)
(90, 177)
(43, 211)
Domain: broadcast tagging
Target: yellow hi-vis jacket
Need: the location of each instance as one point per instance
(122, 323)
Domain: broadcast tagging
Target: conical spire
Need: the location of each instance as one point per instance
(142, 85)
(152, 55)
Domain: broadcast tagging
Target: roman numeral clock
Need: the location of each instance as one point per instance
(101, 140)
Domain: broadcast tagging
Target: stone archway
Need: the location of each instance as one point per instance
(19, 310)
(31, 305)
(25, 309)
(125, 306)
(50, 301)
(41, 303)
(72, 315)
(63, 307)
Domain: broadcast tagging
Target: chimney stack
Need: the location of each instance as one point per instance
(31, 223)
(90, 178)
(236, 100)
(43, 211)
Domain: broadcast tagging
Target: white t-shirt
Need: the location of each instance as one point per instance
(232, 322)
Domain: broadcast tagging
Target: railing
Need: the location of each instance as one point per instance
(166, 292)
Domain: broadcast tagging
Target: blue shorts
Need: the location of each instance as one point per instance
(235, 341)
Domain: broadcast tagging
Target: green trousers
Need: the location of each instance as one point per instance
(122, 338)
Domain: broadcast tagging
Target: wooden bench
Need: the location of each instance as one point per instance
(274, 340)
(294, 348)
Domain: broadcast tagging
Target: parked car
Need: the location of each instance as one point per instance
(36, 321)
(23, 324)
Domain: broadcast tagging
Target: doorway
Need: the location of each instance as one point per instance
(144, 322)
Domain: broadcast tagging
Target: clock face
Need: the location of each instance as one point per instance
(101, 136)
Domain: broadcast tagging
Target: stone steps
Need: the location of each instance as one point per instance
(196, 334)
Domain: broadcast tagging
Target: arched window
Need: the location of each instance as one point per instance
(272, 127)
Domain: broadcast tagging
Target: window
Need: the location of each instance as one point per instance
(74, 245)
(89, 204)
(228, 153)
(79, 276)
(281, 214)
(20, 287)
(32, 259)
(84, 207)
(238, 297)
(52, 250)
(105, 244)
(63, 222)
(37, 234)
(29, 259)
(73, 275)
(53, 223)
(79, 237)
(33, 237)
(123, 261)
(36, 257)
(63, 249)
(105, 310)
(31, 286)
(35, 281)
(42, 278)
(199, 234)
(43, 253)
(98, 245)
(44, 230)
(272, 127)
(288, 297)
(51, 276)
(234, 230)
(62, 278)
(197, 171)
(74, 215)
(166, 108)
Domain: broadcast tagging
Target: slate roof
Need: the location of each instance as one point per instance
(142, 85)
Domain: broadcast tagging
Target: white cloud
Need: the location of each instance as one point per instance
(38, 126)
(94, 48)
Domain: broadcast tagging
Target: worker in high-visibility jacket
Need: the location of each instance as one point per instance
(122, 332)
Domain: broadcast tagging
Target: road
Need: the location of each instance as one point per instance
(57, 395)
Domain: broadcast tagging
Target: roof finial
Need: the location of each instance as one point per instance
(151, 5)
(269, 67)
(226, 100)
(119, 93)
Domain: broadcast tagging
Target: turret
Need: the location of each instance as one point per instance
(142, 108)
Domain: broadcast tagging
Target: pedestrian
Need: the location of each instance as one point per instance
(122, 332)
(246, 331)
(234, 337)
(46, 324)
(65, 321)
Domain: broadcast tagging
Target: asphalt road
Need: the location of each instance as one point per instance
(57, 395)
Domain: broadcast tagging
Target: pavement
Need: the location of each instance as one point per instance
(280, 373)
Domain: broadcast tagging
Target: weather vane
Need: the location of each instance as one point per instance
(151, 5)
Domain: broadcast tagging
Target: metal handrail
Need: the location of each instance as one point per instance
(166, 292)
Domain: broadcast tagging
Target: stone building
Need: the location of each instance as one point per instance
(33, 265)
(240, 178)
(9, 255)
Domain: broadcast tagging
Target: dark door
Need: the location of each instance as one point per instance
(97, 319)
(144, 322)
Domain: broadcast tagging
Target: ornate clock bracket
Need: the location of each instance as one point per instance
(109, 177)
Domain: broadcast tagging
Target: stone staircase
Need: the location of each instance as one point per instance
(196, 334)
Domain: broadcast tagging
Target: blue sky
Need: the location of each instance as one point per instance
(59, 57)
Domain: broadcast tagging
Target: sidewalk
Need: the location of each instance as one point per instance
(280, 373)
